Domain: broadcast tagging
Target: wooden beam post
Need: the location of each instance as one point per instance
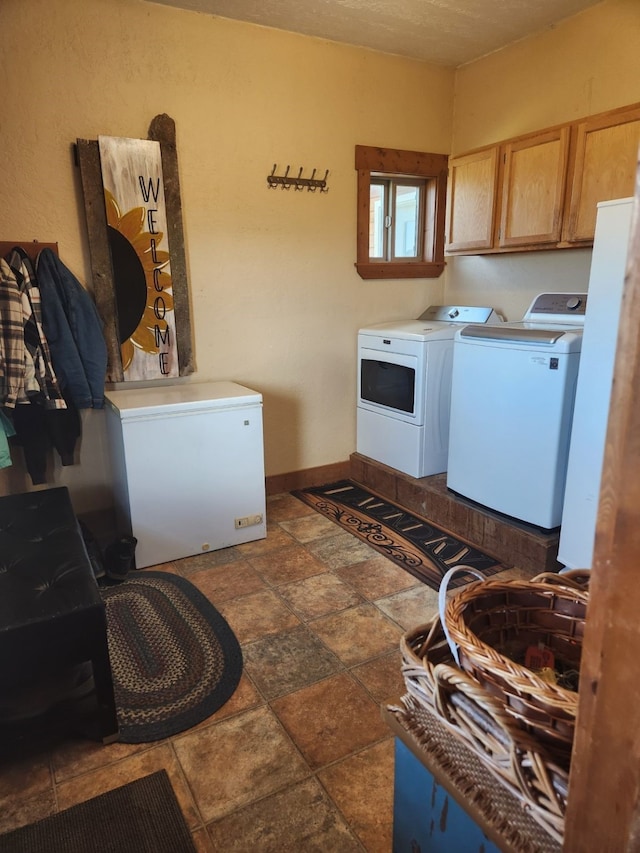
(163, 130)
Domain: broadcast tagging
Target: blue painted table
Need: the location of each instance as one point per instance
(426, 818)
(447, 801)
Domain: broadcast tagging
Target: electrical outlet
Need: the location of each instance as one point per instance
(247, 521)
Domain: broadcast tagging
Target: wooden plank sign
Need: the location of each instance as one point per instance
(137, 227)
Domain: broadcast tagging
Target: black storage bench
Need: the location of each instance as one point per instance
(52, 617)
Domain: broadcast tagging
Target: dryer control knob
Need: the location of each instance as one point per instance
(453, 313)
(574, 303)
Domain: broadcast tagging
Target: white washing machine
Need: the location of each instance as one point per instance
(513, 390)
(404, 387)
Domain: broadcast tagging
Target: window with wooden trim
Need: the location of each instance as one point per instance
(401, 213)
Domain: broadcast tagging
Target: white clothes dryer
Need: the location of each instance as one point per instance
(404, 387)
(513, 391)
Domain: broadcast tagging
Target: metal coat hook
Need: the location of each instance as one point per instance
(286, 182)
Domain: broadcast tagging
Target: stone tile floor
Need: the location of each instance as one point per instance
(299, 757)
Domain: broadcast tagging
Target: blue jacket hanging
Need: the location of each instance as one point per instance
(73, 329)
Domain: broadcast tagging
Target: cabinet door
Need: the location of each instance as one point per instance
(606, 158)
(471, 199)
(533, 187)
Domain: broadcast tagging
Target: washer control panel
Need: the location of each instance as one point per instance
(460, 314)
(559, 306)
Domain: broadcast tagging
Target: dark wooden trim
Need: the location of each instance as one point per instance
(277, 484)
(394, 161)
(362, 245)
(399, 270)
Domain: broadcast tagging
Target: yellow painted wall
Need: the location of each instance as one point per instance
(587, 64)
(276, 301)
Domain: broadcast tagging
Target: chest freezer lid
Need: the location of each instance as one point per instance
(187, 397)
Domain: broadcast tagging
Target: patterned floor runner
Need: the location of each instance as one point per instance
(414, 544)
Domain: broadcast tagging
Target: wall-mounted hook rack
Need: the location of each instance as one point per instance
(31, 247)
(286, 181)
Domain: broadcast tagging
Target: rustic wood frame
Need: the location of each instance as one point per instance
(392, 162)
(163, 130)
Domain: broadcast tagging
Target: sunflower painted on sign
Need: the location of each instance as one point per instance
(142, 281)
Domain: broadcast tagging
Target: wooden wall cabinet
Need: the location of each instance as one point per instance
(471, 200)
(533, 185)
(540, 191)
(605, 151)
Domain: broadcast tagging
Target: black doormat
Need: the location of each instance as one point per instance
(174, 658)
(143, 816)
(416, 545)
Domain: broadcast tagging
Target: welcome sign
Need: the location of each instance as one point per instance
(137, 227)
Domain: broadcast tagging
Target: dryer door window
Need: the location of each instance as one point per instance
(389, 385)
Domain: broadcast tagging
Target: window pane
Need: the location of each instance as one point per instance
(407, 206)
(376, 220)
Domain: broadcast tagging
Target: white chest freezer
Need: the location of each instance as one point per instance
(188, 467)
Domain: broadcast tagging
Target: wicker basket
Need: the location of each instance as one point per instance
(480, 720)
(491, 623)
(519, 724)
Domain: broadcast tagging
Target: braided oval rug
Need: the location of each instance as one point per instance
(174, 658)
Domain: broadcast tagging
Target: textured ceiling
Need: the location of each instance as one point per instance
(445, 32)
